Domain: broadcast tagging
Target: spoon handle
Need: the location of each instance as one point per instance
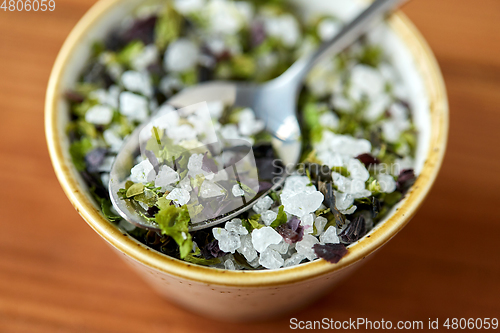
(352, 31)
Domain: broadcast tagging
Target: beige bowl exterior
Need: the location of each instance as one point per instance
(238, 295)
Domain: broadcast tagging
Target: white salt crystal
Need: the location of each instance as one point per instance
(281, 247)
(134, 106)
(224, 18)
(99, 115)
(215, 108)
(329, 120)
(367, 80)
(305, 246)
(137, 82)
(248, 124)
(143, 172)
(263, 237)
(209, 189)
(330, 236)
(179, 196)
(114, 141)
(254, 263)
(328, 28)
(237, 191)
(169, 83)
(146, 58)
(181, 55)
(357, 170)
(246, 248)
(377, 107)
(387, 183)
(301, 204)
(182, 132)
(320, 223)
(105, 180)
(188, 6)
(268, 217)
(195, 162)
(341, 103)
(307, 221)
(228, 241)
(294, 260)
(343, 200)
(229, 264)
(350, 210)
(166, 176)
(284, 27)
(263, 204)
(271, 259)
(236, 226)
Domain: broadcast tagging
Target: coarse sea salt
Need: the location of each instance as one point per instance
(263, 237)
(330, 236)
(138, 82)
(114, 141)
(305, 247)
(99, 115)
(387, 183)
(146, 58)
(248, 124)
(294, 260)
(143, 172)
(246, 248)
(328, 28)
(228, 241)
(181, 55)
(237, 191)
(166, 176)
(262, 204)
(236, 225)
(271, 259)
(268, 217)
(179, 196)
(134, 106)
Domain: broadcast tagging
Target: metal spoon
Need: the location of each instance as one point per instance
(275, 102)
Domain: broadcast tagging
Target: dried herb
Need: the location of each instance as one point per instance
(405, 180)
(292, 231)
(368, 159)
(354, 231)
(330, 252)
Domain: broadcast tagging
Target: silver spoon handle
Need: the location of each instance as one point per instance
(355, 29)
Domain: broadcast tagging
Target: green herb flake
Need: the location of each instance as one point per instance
(136, 189)
(78, 150)
(168, 27)
(173, 222)
(280, 219)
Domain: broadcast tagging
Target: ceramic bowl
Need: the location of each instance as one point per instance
(248, 295)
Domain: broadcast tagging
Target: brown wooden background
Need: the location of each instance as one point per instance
(56, 275)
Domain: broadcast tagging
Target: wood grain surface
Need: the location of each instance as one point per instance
(57, 275)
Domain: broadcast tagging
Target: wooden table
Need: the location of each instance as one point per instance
(56, 275)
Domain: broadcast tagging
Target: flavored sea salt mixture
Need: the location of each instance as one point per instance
(359, 139)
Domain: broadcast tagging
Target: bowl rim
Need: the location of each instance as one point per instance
(126, 245)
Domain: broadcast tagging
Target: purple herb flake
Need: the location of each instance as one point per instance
(208, 164)
(292, 231)
(94, 159)
(368, 159)
(153, 160)
(354, 231)
(212, 250)
(330, 252)
(405, 180)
